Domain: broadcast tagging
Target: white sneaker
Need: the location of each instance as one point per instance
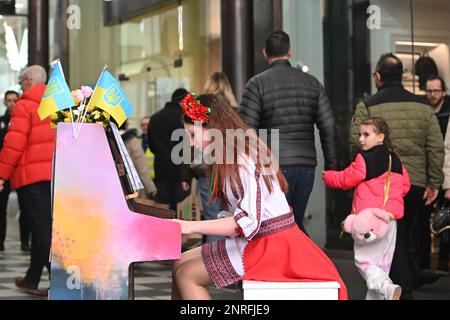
(393, 292)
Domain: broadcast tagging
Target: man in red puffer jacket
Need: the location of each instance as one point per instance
(26, 160)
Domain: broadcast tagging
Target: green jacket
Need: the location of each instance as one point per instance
(414, 129)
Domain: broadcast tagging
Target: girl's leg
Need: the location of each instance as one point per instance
(186, 256)
(191, 277)
(367, 260)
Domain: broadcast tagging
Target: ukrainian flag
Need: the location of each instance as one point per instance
(109, 96)
(57, 95)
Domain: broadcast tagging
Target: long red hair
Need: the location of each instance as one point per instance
(223, 118)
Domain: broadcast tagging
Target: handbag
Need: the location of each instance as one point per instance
(441, 220)
(387, 186)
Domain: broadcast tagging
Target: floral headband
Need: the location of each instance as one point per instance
(193, 109)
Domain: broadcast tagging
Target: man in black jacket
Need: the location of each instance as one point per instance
(168, 176)
(10, 101)
(292, 101)
(440, 101)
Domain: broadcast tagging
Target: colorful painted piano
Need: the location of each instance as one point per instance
(99, 228)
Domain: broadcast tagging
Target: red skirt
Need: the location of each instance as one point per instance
(289, 256)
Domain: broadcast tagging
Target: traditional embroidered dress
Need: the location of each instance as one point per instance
(272, 247)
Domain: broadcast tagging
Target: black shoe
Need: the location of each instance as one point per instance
(2, 247)
(25, 248)
(425, 277)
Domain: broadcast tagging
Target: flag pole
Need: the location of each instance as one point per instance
(87, 107)
(53, 64)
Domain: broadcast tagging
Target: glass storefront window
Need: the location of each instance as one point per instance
(431, 20)
(21, 7)
(150, 58)
(13, 52)
(340, 42)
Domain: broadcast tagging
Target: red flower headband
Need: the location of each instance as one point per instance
(193, 109)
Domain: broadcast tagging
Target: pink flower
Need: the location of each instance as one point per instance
(79, 95)
(87, 91)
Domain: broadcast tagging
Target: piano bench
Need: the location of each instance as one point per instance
(258, 290)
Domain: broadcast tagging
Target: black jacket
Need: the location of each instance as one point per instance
(443, 116)
(162, 125)
(4, 122)
(130, 134)
(292, 101)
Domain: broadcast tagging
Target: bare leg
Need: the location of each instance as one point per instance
(191, 277)
(186, 256)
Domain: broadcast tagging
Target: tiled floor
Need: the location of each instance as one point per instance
(14, 263)
(152, 280)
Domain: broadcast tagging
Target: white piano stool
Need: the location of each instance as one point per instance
(257, 290)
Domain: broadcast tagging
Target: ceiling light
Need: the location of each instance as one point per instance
(418, 44)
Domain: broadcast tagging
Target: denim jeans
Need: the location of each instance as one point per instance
(210, 209)
(301, 183)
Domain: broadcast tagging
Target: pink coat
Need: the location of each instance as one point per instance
(368, 174)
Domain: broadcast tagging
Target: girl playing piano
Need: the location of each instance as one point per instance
(263, 242)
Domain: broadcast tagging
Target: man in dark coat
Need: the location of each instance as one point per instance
(168, 176)
(292, 101)
(10, 101)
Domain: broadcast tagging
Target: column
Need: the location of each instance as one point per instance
(267, 17)
(237, 42)
(38, 33)
(61, 36)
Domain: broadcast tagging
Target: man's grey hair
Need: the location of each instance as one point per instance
(36, 73)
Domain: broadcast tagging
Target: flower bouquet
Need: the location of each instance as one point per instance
(81, 112)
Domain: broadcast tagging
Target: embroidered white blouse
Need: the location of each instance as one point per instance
(255, 206)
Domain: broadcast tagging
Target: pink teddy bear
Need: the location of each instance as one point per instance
(368, 225)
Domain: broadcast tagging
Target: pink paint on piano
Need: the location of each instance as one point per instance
(95, 235)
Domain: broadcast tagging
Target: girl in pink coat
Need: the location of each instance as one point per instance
(368, 174)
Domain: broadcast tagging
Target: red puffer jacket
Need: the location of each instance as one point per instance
(368, 173)
(26, 157)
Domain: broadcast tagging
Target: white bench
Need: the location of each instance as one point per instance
(257, 290)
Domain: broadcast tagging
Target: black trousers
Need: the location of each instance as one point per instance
(4, 196)
(37, 201)
(171, 193)
(421, 230)
(24, 222)
(404, 264)
(24, 219)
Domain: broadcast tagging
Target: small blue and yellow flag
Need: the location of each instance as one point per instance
(109, 96)
(57, 95)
